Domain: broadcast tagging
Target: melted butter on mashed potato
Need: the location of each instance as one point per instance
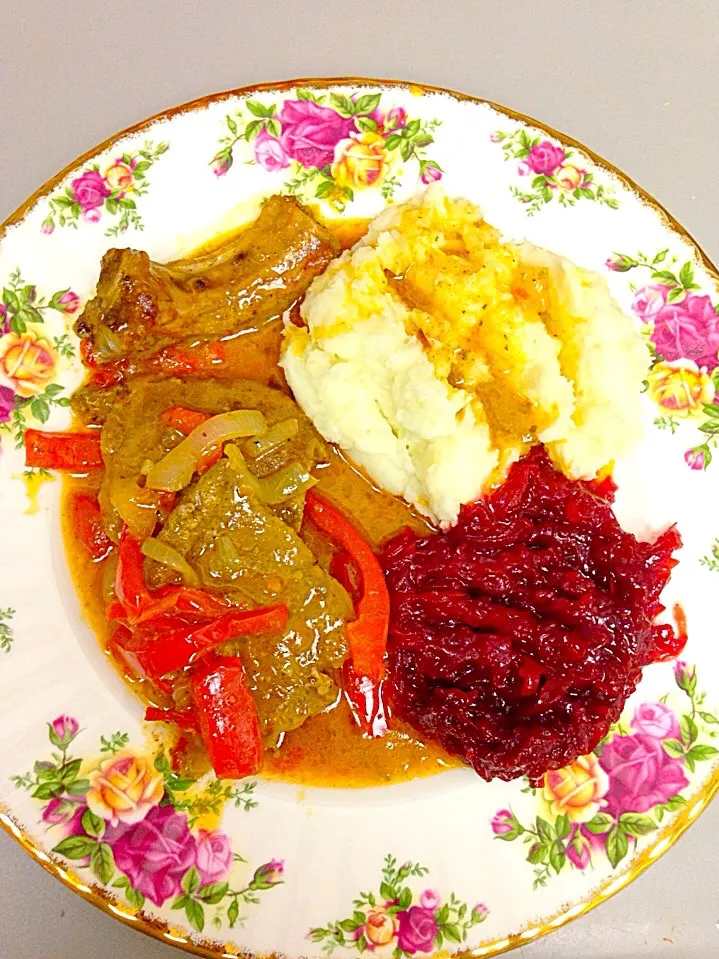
(435, 355)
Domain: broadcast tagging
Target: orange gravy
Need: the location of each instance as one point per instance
(329, 749)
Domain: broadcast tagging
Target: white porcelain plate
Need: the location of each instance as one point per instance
(445, 863)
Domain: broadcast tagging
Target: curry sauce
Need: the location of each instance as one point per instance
(328, 749)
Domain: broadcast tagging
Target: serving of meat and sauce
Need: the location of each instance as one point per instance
(338, 503)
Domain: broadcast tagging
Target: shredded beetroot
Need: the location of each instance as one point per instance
(517, 636)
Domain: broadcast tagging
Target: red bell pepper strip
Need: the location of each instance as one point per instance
(130, 586)
(179, 752)
(109, 374)
(87, 524)
(168, 643)
(184, 718)
(140, 605)
(365, 698)
(76, 452)
(176, 360)
(118, 645)
(116, 613)
(367, 634)
(345, 572)
(188, 601)
(227, 717)
(87, 355)
(183, 420)
(166, 499)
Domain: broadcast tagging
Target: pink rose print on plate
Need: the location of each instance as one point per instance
(396, 119)
(310, 132)
(221, 164)
(695, 459)
(649, 300)
(430, 173)
(64, 816)
(503, 823)
(154, 854)
(105, 816)
(65, 728)
(688, 330)
(214, 856)
(65, 812)
(551, 172)
(270, 874)
(114, 192)
(641, 774)
(480, 912)
(685, 676)
(7, 403)
(619, 263)
(579, 849)
(545, 158)
(397, 915)
(332, 145)
(417, 930)
(68, 302)
(656, 719)
(269, 153)
(645, 776)
(90, 191)
(683, 328)
(430, 899)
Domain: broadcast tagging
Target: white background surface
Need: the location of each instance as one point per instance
(637, 81)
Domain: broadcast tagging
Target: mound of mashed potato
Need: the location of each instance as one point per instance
(434, 355)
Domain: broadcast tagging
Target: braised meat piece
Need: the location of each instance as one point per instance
(134, 435)
(240, 547)
(141, 306)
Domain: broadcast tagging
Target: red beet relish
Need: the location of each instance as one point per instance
(517, 636)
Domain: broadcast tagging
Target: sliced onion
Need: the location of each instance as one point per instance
(176, 468)
(226, 552)
(275, 488)
(239, 465)
(289, 481)
(275, 436)
(105, 345)
(134, 505)
(168, 556)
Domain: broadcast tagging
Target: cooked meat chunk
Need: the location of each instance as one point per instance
(242, 549)
(141, 306)
(238, 546)
(134, 435)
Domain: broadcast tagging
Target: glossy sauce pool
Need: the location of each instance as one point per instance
(329, 749)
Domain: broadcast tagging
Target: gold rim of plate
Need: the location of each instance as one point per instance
(667, 837)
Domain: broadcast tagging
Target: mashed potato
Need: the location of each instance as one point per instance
(435, 355)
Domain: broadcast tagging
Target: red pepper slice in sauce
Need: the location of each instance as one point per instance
(87, 525)
(75, 452)
(167, 644)
(367, 634)
(227, 717)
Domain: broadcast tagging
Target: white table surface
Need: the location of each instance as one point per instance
(636, 80)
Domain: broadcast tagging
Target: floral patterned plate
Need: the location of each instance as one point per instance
(447, 863)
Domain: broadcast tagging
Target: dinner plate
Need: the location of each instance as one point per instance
(445, 863)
